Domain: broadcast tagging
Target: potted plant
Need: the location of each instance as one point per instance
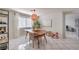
(36, 25)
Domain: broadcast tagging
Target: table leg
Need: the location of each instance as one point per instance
(33, 43)
(26, 35)
(45, 38)
(38, 43)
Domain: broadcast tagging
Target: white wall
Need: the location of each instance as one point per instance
(11, 24)
(57, 21)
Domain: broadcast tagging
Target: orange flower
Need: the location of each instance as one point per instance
(34, 17)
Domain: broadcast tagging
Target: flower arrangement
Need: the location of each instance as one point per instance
(36, 24)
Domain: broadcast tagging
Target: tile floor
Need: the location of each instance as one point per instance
(52, 44)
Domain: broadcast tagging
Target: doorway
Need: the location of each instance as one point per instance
(71, 25)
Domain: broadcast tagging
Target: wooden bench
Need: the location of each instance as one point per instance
(53, 34)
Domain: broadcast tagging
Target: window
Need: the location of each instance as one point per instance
(24, 22)
(29, 22)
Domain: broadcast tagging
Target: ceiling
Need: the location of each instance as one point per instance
(29, 10)
(53, 9)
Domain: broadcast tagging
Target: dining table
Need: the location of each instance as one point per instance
(37, 35)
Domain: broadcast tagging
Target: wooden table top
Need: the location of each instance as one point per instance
(37, 32)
